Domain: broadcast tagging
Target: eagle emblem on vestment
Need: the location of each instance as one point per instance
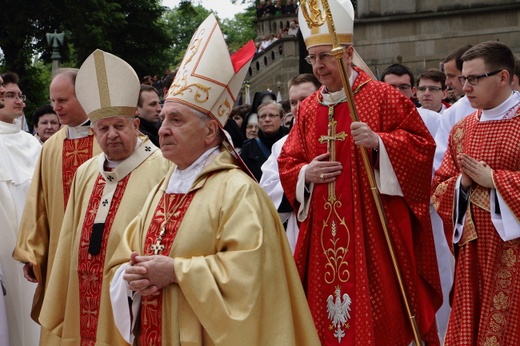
(339, 312)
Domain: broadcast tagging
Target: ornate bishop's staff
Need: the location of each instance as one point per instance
(315, 18)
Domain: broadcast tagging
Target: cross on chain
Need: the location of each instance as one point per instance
(157, 248)
(330, 138)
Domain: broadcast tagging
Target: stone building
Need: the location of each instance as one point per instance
(417, 33)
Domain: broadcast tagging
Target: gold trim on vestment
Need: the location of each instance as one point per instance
(108, 112)
(102, 79)
(322, 39)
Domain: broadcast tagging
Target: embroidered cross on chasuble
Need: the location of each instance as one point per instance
(159, 240)
(331, 247)
(75, 153)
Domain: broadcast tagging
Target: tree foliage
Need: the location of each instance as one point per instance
(131, 29)
(144, 33)
(182, 22)
(185, 18)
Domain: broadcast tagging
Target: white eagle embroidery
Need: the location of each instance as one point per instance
(339, 312)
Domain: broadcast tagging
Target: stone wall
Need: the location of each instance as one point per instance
(420, 33)
(417, 33)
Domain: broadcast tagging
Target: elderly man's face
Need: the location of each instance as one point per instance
(270, 119)
(182, 134)
(117, 136)
(325, 67)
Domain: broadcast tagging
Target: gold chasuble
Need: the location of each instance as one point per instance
(486, 292)
(46, 202)
(341, 253)
(237, 282)
(102, 203)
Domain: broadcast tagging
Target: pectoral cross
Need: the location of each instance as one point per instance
(157, 248)
(331, 138)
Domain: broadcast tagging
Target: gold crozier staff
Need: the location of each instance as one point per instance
(315, 18)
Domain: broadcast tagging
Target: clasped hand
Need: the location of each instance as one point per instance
(475, 171)
(149, 274)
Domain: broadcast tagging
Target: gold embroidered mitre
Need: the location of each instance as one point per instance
(209, 79)
(318, 35)
(342, 14)
(107, 86)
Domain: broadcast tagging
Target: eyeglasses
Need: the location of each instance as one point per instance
(323, 56)
(268, 115)
(402, 87)
(473, 80)
(431, 88)
(12, 95)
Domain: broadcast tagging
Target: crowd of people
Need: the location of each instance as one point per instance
(154, 212)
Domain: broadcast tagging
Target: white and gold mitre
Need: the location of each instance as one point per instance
(209, 79)
(342, 15)
(107, 86)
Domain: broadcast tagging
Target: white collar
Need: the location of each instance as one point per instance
(330, 98)
(80, 131)
(500, 111)
(13, 127)
(113, 164)
(181, 180)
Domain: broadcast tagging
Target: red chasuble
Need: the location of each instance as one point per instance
(90, 268)
(341, 252)
(75, 153)
(151, 306)
(486, 291)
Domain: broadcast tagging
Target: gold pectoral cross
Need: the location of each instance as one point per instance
(331, 138)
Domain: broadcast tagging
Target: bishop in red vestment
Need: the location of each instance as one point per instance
(341, 252)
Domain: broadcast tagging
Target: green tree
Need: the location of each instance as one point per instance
(132, 29)
(182, 22)
(240, 29)
(185, 19)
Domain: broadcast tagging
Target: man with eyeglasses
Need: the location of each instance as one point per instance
(19, 154)
(341, 252)
(476, 192)
(401, 77)
(431, 90)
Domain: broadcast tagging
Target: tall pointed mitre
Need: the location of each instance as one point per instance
(343, 17)
(107, 86)
(209, 79)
